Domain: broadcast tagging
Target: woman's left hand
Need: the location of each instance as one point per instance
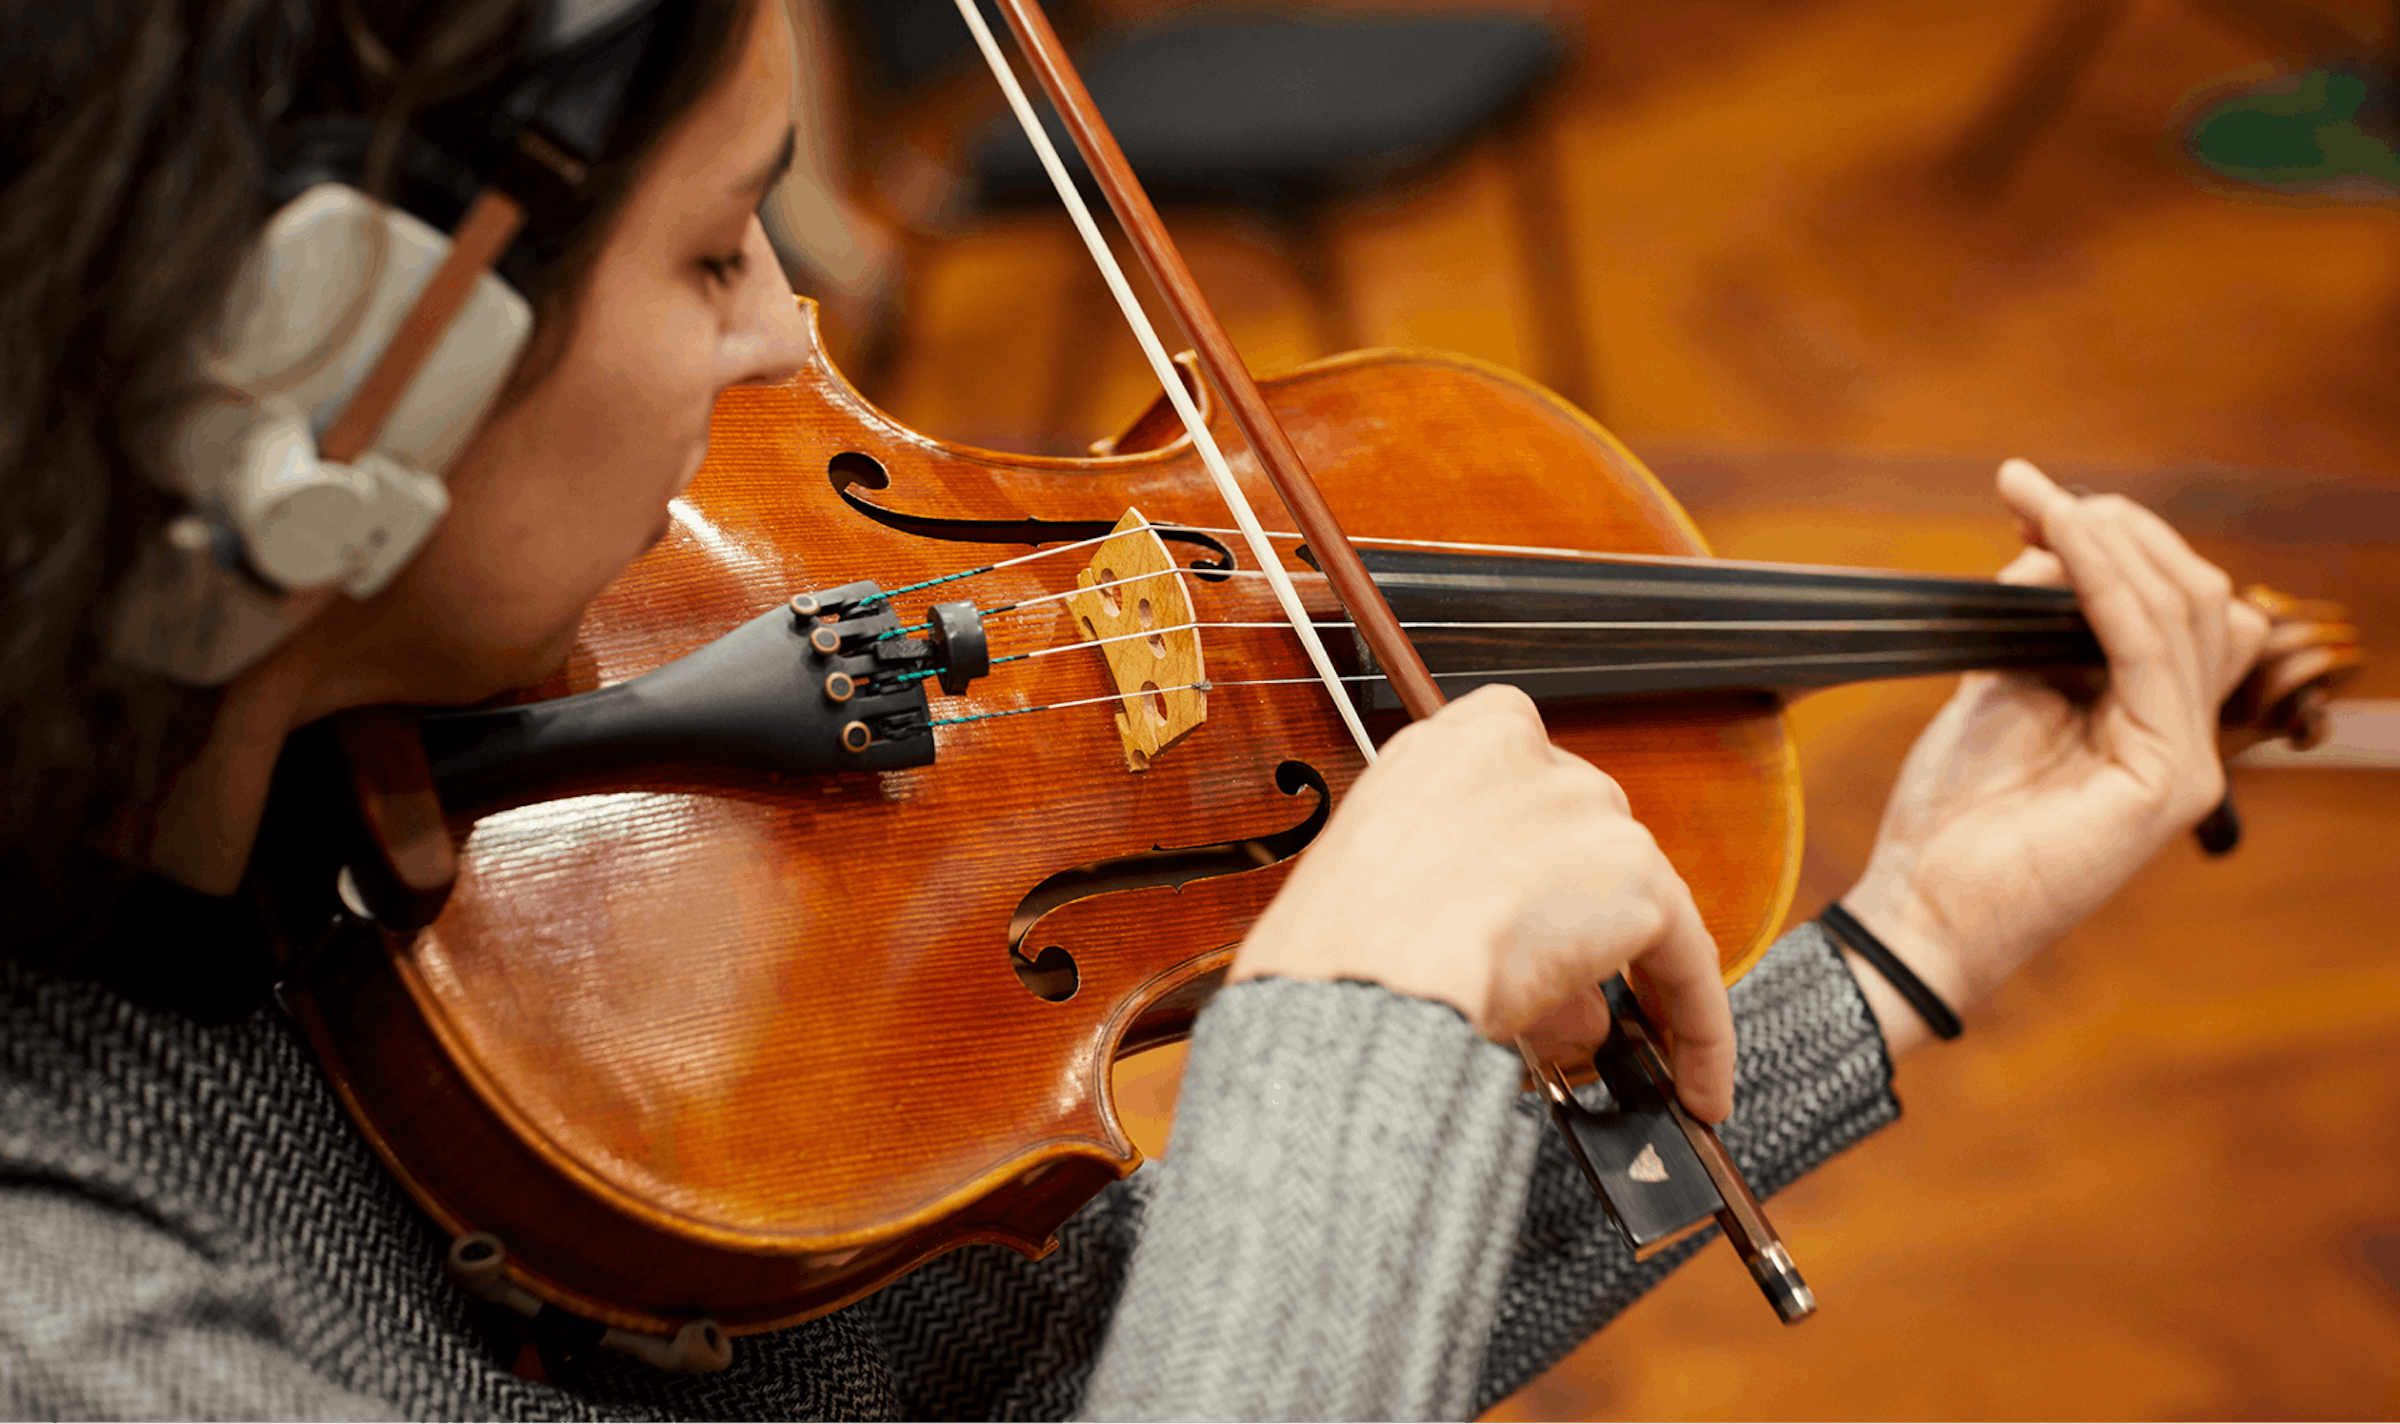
(2020, 810)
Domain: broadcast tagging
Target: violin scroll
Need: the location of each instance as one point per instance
(2311, 647)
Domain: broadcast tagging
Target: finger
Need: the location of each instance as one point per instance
(2043, 506)
(2031, 496)
(2207, 592)
(2035, 568)
(1493, 699)
(2171, 692)
(1572, 1030)
(1602, 786)
(1500, 713)
(2135, 613)
(1683, 990)
(2130, 571)
(2246, 629)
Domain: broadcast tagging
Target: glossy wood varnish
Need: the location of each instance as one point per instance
(746, 1048)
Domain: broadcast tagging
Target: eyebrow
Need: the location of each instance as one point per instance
(768, 176)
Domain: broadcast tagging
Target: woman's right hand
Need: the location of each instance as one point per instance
(1479, 865)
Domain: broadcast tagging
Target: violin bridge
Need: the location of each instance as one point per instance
(1134, 604)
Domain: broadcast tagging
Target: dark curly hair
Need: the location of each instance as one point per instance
(133, 148)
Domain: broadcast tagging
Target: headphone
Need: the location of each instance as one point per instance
(365, 340)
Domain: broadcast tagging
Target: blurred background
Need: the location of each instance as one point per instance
(1822, 263)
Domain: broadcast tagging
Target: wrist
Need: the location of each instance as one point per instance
(1911, 929)
(1915, 936)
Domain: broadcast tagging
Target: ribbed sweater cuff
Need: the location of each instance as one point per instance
(1344, 1188)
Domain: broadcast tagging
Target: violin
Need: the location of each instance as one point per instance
(696, 1039)
(728, 975)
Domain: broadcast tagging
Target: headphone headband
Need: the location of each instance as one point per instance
(537, 132)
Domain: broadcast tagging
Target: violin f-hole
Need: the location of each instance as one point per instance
(1051, 974)
(852, 470)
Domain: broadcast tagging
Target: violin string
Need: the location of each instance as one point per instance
(1708, 625)
(1459, 546)
(2029, 623)
(1213, 531)
(1062, 706)
(1490, 674)
(2039, 624)
(1056, 648)
(1780, 660)
(1536, 550)
(1001, 609)
(1785, 625)
(1051, 551)
(1799, 625)
(1047, 552)
(1955, 625)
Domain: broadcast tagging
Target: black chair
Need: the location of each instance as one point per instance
(1285, 113)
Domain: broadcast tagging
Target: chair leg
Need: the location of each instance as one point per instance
(2031, 95)
(1546, 248)
(1306, 234)
(1085, 312)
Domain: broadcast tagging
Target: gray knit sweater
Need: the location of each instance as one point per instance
(1361, 1218)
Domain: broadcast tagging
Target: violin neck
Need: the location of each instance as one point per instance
(1583, 629)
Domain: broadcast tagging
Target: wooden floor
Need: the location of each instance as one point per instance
(2160, 1176)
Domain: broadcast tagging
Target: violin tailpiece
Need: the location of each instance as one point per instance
(1134, 606)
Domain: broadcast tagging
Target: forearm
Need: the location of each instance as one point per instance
(1361, 1216)
(1346, 1171)
(1346, 1326)
(1331, 1228)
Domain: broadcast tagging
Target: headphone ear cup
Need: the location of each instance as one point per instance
(300, 516)
(334, 276)
(408, 503)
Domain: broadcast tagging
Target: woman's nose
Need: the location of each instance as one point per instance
(769, 340)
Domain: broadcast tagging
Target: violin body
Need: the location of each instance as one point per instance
(700, 1042)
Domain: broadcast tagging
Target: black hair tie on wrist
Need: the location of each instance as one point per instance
(1846, 929)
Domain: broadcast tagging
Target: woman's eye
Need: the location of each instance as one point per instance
(723, 270)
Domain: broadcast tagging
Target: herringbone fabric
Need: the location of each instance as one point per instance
(189, 1227)
(983, 1333)
(193, 1230)
(1375, 1149)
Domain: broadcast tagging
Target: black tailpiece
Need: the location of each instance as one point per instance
(818, 685)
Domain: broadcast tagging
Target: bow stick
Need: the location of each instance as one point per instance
(1745, 1224)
